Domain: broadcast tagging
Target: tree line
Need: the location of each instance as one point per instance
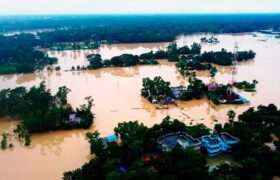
(40, 111)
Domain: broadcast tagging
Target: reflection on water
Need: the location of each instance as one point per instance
(116, 93)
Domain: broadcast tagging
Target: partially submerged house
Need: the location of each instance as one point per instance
(113, 138)
(224, 94)
(73, 119)
(178, 91)
(169, 141)
(163, 101)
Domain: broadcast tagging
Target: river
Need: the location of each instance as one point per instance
(116, 94)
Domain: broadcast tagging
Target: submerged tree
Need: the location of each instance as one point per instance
(213, 71)
(231, 115)
(155, 89)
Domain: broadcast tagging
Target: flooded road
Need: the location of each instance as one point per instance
(116, 94)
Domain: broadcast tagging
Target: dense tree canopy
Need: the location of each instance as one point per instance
(146, 28)
(17, 55)
(137, 156)
(155, 89)
(40, 111)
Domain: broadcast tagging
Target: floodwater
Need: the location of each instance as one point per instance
(116, 93)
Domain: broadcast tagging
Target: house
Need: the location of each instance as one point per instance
(113, 138)
(73, 119)
(216, 144)
(178, 91)
(228, 138)
(169, 141)
(212, 144)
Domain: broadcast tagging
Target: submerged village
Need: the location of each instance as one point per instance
(238, 144)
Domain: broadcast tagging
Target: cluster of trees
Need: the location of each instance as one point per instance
(187, 58)
(155, 89)
(211, 40)
(173, 53)
(137, 155)
(195, 90)
(159, 91)
(225, 58)
(255, 128)
(124, 60)
(246, 86)
(41, 111)
(189, 63)
(4, 143)
(204, 61)
(17, 55)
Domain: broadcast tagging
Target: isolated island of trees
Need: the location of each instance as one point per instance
(159, 91)
(186, 58)
(138, 156)
(40, 111)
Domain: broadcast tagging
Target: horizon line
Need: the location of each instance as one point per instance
(133, 14)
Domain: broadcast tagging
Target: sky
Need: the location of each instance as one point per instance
(13, 7)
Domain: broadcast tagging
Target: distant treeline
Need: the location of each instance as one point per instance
(136, 28)
(19, 53)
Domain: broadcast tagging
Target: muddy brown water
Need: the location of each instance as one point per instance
(116, 93)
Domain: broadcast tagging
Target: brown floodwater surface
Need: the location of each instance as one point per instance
(116, 93)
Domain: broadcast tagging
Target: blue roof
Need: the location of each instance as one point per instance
(243, 99)
(111, 138)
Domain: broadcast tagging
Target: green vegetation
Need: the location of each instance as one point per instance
(18, 55)
(155, 90)
(226, 58)
(246, 86)
(138, 156)
(213, 71)
(160, 54)
(159, 91)
(254, 128)
(138, 28)
(23, 134)
(95, 61)
(245, 55)
(49, 112)
(211, 40)
(195, 90)
(205, 60)
(127, 160)
(224, 94)
(231, 115)
(189, 63)
(4, 141)
(173, 53)
(124, 60)
(221, 57)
